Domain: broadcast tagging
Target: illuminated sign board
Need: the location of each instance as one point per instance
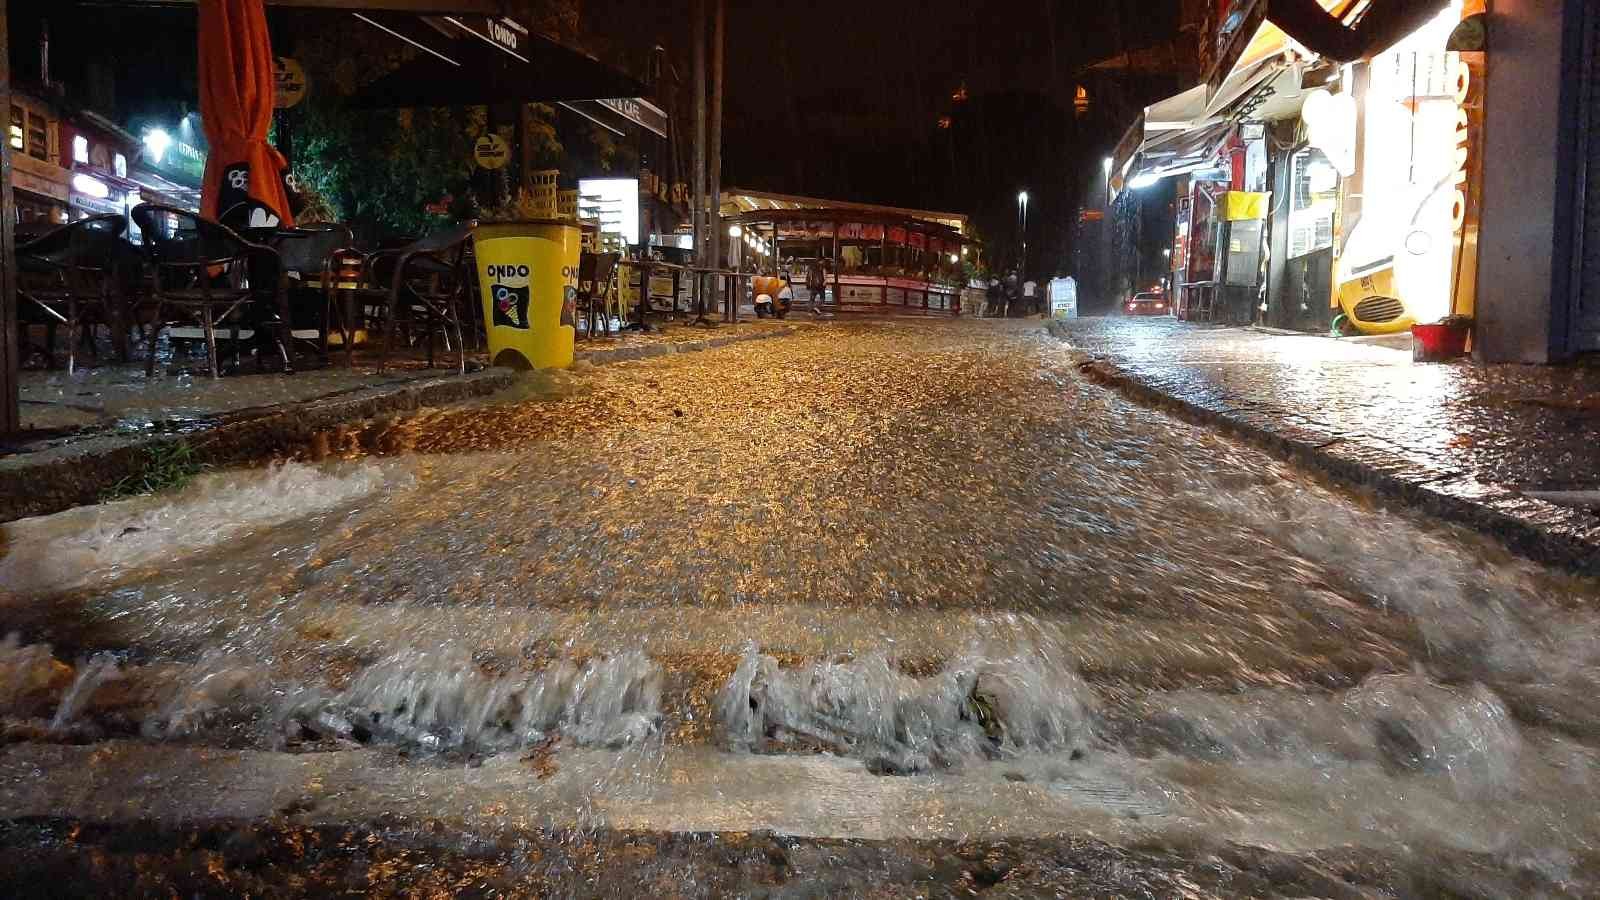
(615, 202)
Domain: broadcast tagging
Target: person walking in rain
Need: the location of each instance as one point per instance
(817, 285)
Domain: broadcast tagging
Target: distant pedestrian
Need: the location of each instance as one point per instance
(994, 299)
(1013, 294)
(817, 284)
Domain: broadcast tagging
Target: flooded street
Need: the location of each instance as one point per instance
(881, 588)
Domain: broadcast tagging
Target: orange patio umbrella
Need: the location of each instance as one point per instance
(236, 92)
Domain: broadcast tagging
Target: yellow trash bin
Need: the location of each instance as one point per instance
(528, 273)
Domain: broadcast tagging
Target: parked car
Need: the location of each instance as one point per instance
(1147, 303)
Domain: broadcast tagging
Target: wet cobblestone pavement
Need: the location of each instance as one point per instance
(917, 596)
(1483, 434)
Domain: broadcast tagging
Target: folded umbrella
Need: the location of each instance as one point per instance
(236, 93)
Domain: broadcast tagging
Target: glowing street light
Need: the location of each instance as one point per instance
(1022, 229)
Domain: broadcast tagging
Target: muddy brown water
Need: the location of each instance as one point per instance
(926, 550)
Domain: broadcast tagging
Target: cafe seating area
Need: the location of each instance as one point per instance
(214, 298)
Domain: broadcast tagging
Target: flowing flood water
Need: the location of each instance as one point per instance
(877, 581)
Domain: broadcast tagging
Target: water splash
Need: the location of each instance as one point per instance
(1408, 724)
(217, 689)
(100, 669)
(977, 706)
(443, 701)
(100, 544)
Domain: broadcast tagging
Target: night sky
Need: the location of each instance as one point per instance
(841, 99)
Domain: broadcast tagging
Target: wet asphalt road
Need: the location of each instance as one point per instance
(1259, 656)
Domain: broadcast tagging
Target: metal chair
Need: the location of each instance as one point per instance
(308, 254)
(424, 285)
(206, 272)
(72, 274)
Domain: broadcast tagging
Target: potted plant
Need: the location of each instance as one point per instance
(1442, 340)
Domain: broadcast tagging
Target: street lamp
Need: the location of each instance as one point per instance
(1022, 229)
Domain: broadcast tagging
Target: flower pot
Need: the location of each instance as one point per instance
(1439, 341)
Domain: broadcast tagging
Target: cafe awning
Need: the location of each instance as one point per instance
(1179, 152)
(467, 61)
(618, 115)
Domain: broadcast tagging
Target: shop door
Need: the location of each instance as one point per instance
(1584, 335)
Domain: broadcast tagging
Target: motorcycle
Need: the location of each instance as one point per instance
(773, 296)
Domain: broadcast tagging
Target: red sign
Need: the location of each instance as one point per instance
(919, 241)
(897, 235)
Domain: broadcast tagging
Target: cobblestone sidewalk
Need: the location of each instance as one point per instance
(1465, 441)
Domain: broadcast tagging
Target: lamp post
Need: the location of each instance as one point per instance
(1022, 229)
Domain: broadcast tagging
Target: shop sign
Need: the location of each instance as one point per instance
(1234, 24)
(96, 205)
(506, 33)
(288, 83)
(642, 113)
(918, 240)
(491, 152)
(897, 235)
(860, 231)
(1467, 177)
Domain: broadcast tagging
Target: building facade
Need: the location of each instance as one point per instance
(1444, 172)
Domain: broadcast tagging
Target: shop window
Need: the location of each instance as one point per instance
(80, 149)
(38, 136)
(18, 127)
(1314, 187)
(120, 165)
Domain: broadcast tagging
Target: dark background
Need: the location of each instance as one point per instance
(831, 98)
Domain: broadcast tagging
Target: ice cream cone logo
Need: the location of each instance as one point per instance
(509, 288)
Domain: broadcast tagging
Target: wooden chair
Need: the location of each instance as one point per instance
(206, 273)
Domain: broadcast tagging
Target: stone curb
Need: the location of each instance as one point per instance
(77, 473)
(651, 351)
(1551, 535)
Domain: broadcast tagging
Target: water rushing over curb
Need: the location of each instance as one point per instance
(442, 701)
(100, 544)
(977, 706)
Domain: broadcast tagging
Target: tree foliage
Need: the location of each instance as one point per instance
(387, 172)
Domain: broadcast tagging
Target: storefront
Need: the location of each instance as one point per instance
(1322, 195)
(99, 152)
(878, 258)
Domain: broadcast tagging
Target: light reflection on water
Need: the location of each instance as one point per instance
(957, 557)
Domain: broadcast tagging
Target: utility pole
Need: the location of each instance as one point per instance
(10, 423)
(700, 220)
(714, 203)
